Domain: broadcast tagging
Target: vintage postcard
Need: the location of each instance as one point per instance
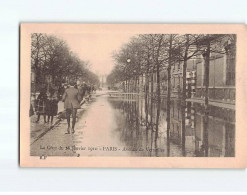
(133, 95)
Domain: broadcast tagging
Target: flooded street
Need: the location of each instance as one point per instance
(164, 95)
(138, 129)
(113, 126)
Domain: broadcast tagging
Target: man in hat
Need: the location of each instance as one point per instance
(71, 100)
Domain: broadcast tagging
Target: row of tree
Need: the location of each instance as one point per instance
(147, 55)
(52, 58)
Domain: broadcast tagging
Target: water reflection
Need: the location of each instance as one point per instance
(143, 130)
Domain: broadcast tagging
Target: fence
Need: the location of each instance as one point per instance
(217, 93)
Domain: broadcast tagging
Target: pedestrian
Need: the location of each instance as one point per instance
(31, 112)
(71, 100)
(89, 91)
(94, 89)
(61, 90)
(41, 104)
(52, 104)
(83, 93)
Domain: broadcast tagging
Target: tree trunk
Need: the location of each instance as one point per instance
(206, 106)
(146, 98)
(128, 88)
(158, 87)
(158, 99)
(152, 90)
(168, 119)
(183, 101)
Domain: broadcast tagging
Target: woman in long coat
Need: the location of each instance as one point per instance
(52, 104)
(41, 105)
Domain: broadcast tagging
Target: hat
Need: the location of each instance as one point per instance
(72, 83)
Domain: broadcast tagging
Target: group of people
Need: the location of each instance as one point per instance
(73, 95)
(47, 104)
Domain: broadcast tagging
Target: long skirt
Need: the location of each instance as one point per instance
(52, 107)
(41, 107)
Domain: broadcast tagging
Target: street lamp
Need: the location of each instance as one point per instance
(127, 85)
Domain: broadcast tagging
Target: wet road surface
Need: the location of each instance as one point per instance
(109, 126)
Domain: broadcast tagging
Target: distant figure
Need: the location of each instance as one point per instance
(83, 90)
(61, 90)
(89, 91)
(52, 104)
(31, 112)
(71, 100)
(92, 89)
(41, 104)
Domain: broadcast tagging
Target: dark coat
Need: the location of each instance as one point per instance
(71, 98)
(41, 103)
(52, 107)
(82, 91)
(52, 104)
(31, 112)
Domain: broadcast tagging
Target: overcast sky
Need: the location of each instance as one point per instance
(96, 48)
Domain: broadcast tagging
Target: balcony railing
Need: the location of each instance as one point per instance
(217, 93)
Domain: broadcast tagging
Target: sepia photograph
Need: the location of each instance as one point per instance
(123, 96)
(128, 94)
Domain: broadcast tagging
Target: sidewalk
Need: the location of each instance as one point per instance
(227, 105)
(41, 128)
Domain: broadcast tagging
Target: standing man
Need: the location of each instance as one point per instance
(71, 99)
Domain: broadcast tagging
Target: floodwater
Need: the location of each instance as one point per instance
(137, 128)
(123, 127)
(110, 126)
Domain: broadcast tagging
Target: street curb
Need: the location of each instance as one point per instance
(51, 127)
(42, 134)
